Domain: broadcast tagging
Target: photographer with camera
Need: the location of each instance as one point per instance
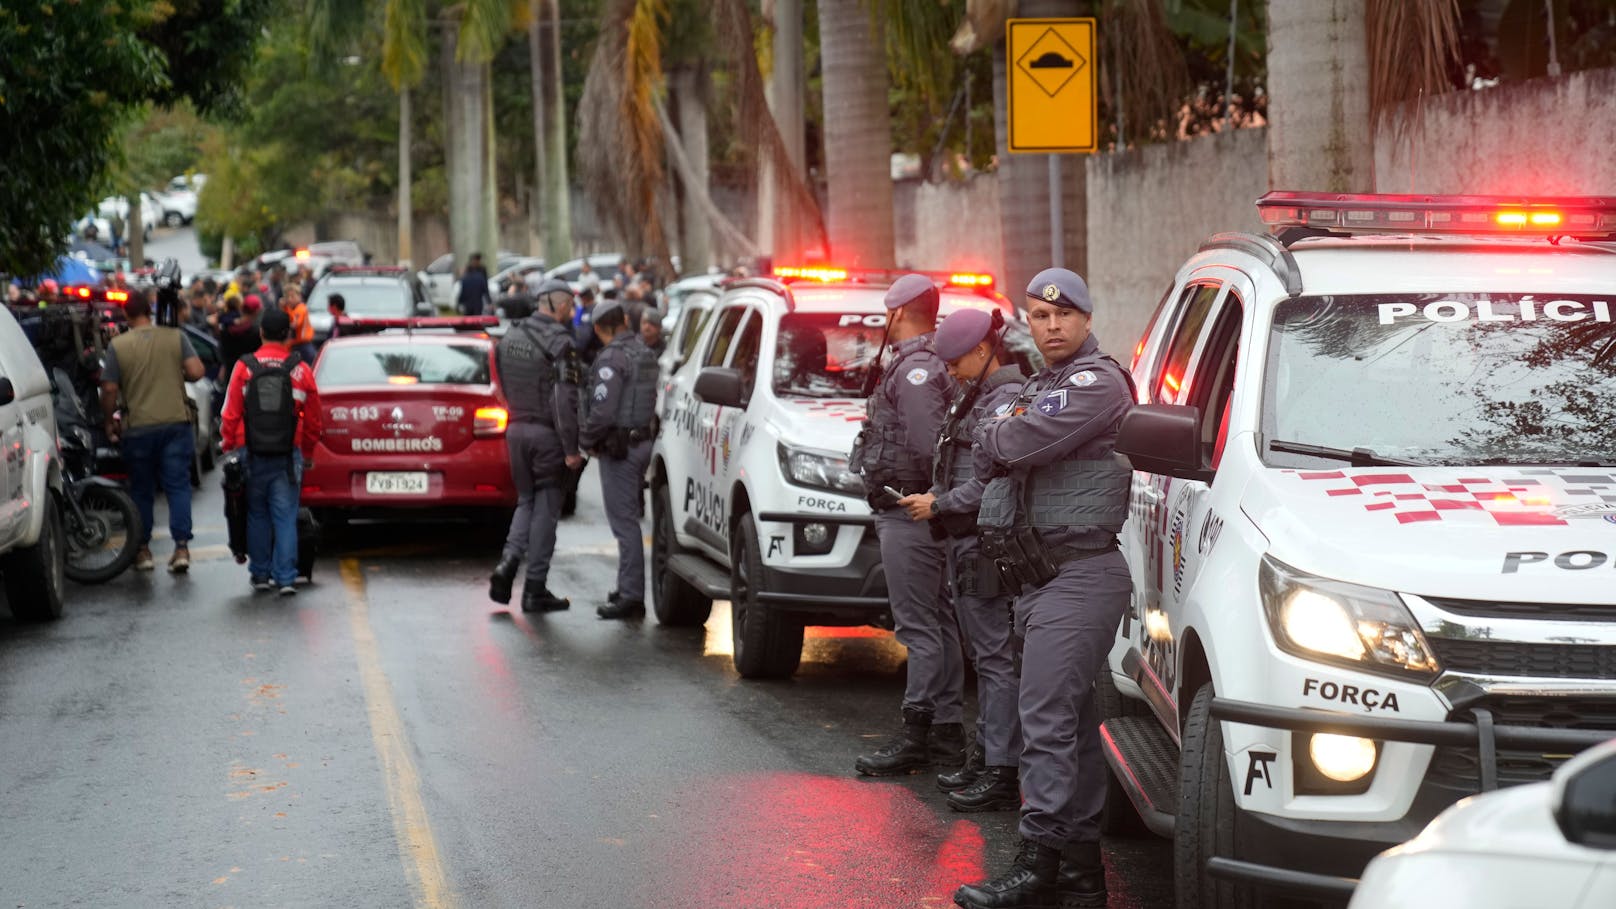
(147, 366)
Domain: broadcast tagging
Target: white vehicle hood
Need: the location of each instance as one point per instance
(825, 424)
(1523, 534)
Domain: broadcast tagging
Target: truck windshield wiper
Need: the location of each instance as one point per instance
(1359, 457)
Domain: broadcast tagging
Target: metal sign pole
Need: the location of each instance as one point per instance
(1057, 230)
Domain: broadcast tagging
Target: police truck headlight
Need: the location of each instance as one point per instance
(819, 470)
(1345, 624)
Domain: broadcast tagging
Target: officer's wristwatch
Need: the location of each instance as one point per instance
(934, 511)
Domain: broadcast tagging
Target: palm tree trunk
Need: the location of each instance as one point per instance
(541, 164)
(686, 85)
(406, 203)
(556, 191)
(778, 220)
(135, 229)
(858, 138)
(1024, 195)
(1319, 135)
(488, 226)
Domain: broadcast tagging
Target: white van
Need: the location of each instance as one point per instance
(1373, 531)
(32, 544)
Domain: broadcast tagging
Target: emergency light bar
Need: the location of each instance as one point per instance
(84, 292)
(362, 325)
(1564, 216)
(366, 270)
(827, 274)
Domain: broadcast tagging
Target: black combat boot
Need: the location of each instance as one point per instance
(995, 789)
(1029, 884)
(910, 752)
(975, 761)
(499, 583)
(540, 599)
(948, 744)
(621, 608)
(1081, 882)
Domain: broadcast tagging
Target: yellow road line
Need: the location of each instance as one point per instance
(416, 845)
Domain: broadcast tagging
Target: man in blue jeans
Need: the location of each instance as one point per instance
(148, 366)
(273, 410)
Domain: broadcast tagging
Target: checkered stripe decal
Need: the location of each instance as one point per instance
(1525, 497)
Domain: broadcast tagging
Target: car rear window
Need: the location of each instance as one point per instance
(404, 363)
(366, 297)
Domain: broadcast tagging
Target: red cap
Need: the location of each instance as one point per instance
(252, 303)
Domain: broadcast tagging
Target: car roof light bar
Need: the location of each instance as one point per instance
(831, 274)
(1550, 216)
(366, 325)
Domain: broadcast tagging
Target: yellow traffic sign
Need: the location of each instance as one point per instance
(1052, 96)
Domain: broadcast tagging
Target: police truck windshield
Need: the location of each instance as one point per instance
(1443, 379)
(406, 363)
(825, 355)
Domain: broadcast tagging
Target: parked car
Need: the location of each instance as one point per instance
(369, 291)
(151, 212)
(441, 277)
(178, 206)
(33, 544)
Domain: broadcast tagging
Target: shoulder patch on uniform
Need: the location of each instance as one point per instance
(1003, 409)
(600, 392)
(1053, 402)
(1083, 379)
(605, 372)
(917, 376)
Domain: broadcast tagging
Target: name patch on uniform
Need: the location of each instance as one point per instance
(1052, 402)
(1083, 379)
(1003, 409)
(606, 372)
(916, 376)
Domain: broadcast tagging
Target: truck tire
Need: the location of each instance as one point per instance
(1206, 814)
(677, 604)
(1118, 817)
(35, 575)
(767, 644)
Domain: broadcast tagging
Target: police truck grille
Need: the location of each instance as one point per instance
(1460, 767)
(1563, 612)
(1510, 658)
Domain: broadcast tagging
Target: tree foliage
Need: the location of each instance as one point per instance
(73, 73)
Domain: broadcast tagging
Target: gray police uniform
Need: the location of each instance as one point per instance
(1066, 484)
(539, 371)
(895, 447)
(981, 603)
(620, 412)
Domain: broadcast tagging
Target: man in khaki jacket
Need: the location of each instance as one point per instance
(148, 365)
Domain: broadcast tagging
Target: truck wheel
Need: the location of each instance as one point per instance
(1206, 814)
(677, 603)
(1118, 817)
(34, 575)
(767, 644)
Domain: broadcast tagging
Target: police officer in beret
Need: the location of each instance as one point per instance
(1050, 518)
(619, 422)
(969, 341)
(539, 370)
(893, 453)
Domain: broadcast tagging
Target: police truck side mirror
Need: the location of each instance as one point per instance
(1585, 798)
(8, 392)
(1165, 439)
(721, 386)
(424, 308)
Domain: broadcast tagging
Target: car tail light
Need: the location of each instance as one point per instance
(489, 421)
(117, 296)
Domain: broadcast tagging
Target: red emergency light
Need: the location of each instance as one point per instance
(366, 325)
(830, 274)
(811, 273)
(1591, 217)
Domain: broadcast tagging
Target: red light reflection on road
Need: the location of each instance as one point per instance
(800, 841)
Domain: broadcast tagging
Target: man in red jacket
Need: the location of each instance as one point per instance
(274, 412)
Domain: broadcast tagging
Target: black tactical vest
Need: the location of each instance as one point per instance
(880, 455)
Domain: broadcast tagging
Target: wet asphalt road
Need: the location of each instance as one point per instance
(390, 737)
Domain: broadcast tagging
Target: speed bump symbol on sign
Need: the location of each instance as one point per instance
(1052, 85)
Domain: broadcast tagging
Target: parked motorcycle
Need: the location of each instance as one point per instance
(103, 524)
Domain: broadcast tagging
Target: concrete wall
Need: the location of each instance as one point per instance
(1542, 137)
(1149, 210)
(948, 226)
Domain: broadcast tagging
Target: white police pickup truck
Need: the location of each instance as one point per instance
(33, 545)
(1373, 531)
(751, 498)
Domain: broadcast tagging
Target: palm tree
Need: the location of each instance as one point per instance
(858, 136)
(550, 129)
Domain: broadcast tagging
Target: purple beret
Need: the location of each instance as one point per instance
(962, 331)
(908, 289)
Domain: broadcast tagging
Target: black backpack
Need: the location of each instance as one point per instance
(271, 418)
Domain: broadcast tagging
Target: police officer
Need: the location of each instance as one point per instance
(539, 370)
(969, 341)
(619, 422)
(892, 454)
(1051, 521)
